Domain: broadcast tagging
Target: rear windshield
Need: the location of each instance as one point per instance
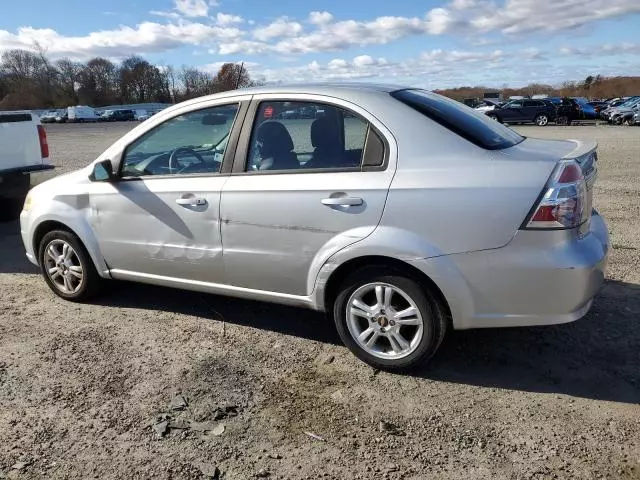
(460, 119)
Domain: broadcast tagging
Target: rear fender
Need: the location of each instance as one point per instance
(414, 251)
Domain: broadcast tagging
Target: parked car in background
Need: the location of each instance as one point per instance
(636, 118)
(123, 115)
(487, 105)
(567, 111)
(81, 114)
(399, 212)
(49, 116)
(140, 115)
(597, 107)
(23, 152)
(623, 114)
(606, 113)
(540, 112)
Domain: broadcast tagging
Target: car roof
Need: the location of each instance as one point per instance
(344, 89)
(323, 87)
(320, 88)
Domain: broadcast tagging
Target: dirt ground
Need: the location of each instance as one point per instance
(244, 390)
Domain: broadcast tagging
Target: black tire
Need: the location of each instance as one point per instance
(91, 284)
(494, 117)
(435, 320)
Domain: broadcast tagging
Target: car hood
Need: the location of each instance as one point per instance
(67, 183)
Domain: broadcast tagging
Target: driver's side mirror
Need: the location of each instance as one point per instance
(102, 172)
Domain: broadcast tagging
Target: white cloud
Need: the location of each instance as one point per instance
(462, 4)
(192, 8)
(281, 27)
(466, 17)
(363, 61)
(320, 18)
(160, 13)
(146, 37)
(625, 48)
(438, 21)
(522, 16)
(337, 63)
(225, 19)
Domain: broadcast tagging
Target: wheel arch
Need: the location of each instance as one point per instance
(50, 225)
(340, 274)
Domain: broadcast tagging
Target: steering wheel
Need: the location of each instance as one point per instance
(174, 156)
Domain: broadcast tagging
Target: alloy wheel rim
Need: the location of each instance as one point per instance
(384, 321)
(542, 120)
(63, 267)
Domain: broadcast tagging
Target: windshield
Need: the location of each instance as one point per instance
(460, 119)
(629, 102)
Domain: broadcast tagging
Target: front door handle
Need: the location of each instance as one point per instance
(191, 201)
(342, 201)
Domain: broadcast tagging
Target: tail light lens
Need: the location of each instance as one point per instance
(44, 146)
(563, 202)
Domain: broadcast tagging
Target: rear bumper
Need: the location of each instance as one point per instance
(540, 278)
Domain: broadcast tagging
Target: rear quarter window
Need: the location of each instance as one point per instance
(460, 119)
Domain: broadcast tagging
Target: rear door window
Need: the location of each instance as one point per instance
(307, 136)
(460, 119)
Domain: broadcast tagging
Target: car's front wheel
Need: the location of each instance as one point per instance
(389, 320)
(542, 120)
(67, 267)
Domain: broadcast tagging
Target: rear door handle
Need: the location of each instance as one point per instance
(342, 201)
(191, 201)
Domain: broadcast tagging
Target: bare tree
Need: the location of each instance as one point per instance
(232, 76)
(68, 76)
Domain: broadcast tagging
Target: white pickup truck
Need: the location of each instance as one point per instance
(23, 152)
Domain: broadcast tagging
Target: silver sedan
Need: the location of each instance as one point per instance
(400, 213)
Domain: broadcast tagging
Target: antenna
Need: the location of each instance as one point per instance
(239, 75)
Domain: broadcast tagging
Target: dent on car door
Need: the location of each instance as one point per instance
(161, 215)
(310, 177)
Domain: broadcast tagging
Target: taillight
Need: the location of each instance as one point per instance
(563, 201)
(44, 146)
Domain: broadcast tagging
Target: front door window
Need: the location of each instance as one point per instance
(190, 143)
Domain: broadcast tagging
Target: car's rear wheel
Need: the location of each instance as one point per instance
(67, 267)
(542, 120)
(388, 320)
(627, 121)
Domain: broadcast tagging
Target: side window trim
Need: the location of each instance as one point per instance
(229, 153)
(242, 150)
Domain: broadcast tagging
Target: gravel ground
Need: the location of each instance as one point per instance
(261, 391)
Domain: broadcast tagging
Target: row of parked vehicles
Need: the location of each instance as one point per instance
(623, 111)
(562, 110)
(84, 114)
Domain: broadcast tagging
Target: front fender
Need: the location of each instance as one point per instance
(74, 212)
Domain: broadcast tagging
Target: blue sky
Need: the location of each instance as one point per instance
(431, 43)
